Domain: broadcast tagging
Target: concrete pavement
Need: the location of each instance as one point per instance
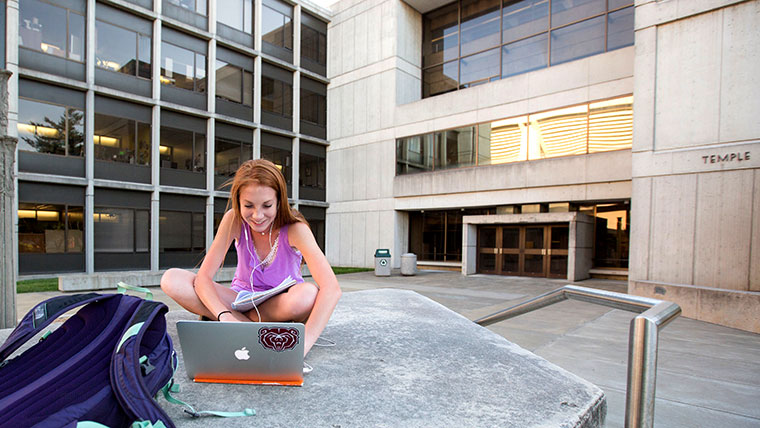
(708, 375)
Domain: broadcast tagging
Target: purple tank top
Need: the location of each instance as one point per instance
(287, 262)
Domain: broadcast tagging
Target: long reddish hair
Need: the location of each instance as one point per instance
(264, 173)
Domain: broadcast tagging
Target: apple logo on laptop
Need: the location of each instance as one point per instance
(242, 354)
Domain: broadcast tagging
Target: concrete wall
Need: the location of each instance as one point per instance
(374, 97)
(695, 210)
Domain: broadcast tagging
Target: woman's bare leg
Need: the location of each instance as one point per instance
(178, 284)
(293, 305)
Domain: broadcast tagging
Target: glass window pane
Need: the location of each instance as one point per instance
(610, 125)
(200, 72)
(229, 82)
(614, 4)
(276, 97)
(524, 19)
(144, 136)
(46, 128)
(534, 238)
(612, 230)
(455, 148)
(560, 132)
(277, 28)
(177, 66)
(526, 55)
(142, 231)
(440, 35)
(226, 157)
(76, 37)
(182, 149)
(279, 156)
(313, 45)
(75, 230)
(510, 237)
(479, 68)
(46, 228)
(115, 48)
(231, 13)
(558, 265)
(534, 263)
(313, 107)
(508, 141)
(312, 173)
(42, 27)
(560, 237)
(480, 25)
(620, 29)
(440, 79)
(115, 139)
(75, 132)
(510, 263)
(175, 231)
(487, 262)
(247, 88)
(414, 154)
(199, 232)
(144, 68)
(114, 230)
(577, 40)
(567, 11)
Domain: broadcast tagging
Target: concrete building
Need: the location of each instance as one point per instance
(131, 115)
(552, 138)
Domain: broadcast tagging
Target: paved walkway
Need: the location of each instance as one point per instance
(708, 375)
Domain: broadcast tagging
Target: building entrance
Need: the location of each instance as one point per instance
(523, 250)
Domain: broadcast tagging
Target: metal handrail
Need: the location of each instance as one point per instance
(642, 341)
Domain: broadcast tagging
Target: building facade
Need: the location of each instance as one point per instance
(552, 138)
(132, 115)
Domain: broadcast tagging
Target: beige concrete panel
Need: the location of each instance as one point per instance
(655, 13)
(333, 113)
(332, 237)
(640, 233)
(559, 78)
(611, 89)
(509, 90)
(346, 239)
(455, 121)
(334, 50)
(373, 30)
(722, 241)
(560, 99)
(605, 191)
(754, 259)
(415, 128)
(733, 309)
(372, 166)
(688, 75)
(345, 173)
(693, 7)
(388, 35)
(360, 164)
(721, 157)
(408, 88)
(409, 34)
(347, 40)
(373, 101)
(740, 88)
(613, 65)
(502, 111)
(608, 166)
(335, 177)
(582, 264)
(685, 297)
(645, 69)
(372, 225)
(556, 171)
(387, 168)
(359, 248)
(671, 246)
(361, 106)
(387, 109)
(360, 45)
(347, 102)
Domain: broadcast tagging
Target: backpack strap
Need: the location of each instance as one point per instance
(41, 316)
(142, 362)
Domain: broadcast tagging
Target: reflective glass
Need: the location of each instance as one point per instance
(76, 39)
(612, 235)
(510, 262)
(510, 237)
(440, 39)
(614, 4)
(479, 68)
(414, 154)
(114, 139)
(177, 66)
(276, 97)
(558, 265)
(610, 125)
(197, 6)
(276, 28)
(49, 128)
(560, 132)
(114, 230)
(313, 107)
(455, 148)
(312, 173)
(200, 72)
(175, 229)
(620, 28)
(567, 11)
(487, 262)
(115, 48)
(313, 45)
(524, 18)
(280, 157)
(534, 238)
(578, 40)
(182, 149)
(46, 228)
(523, 56)
(237, 14)
(487, 237)
(480, 25)
(144, 54)
(228, 155)
(229, 82)
(142, 231)
(440, 79)
(560, 237)
(42, 27)
(507, 142)
(534, 263)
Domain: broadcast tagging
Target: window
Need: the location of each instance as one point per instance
(234, 84)
(50, 228)
(228, 155)
(122, 50)
(237, 14)
(121, 140)
(471, 42)
(312, 174)
(50, 128)
(278, 150)
(276, 96)
(183, 68)
(316, 218)
(121, 230)
(197, 6)
(182, 149)
(313, 107)
(588, 128)
(277, 27)
(313, 39)
(51, 29)
(181, 231)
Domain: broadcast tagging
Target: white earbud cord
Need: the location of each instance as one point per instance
(261, 262)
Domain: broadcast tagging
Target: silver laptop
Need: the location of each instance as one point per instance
(243, 352)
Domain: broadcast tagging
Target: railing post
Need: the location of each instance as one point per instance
(642, 372)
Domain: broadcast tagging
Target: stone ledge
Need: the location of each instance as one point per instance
(108, 280)
(730, 308)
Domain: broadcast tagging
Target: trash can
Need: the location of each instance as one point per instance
(408, 264)
(382, 262)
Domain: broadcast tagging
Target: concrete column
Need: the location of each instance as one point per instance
(7, 201)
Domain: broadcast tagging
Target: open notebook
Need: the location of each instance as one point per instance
(246, 300)
(243, 352)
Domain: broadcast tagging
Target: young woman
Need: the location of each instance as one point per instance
(270, 240)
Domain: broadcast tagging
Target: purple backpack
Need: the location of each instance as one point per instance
(103, 365)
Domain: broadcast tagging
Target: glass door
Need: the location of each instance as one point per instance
(534, 250)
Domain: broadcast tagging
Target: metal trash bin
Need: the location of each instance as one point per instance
(382, 262)
(408, 264)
